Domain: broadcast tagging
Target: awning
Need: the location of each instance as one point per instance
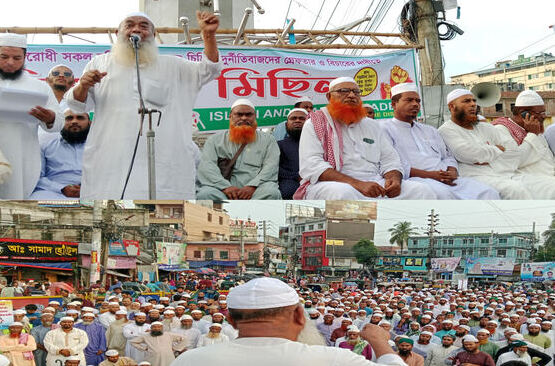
(199, 264)
(115, 273)
(171, 267)
(64, 266)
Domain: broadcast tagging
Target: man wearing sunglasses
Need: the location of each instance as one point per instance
(60, 78)
(169, 84)
(344, 155)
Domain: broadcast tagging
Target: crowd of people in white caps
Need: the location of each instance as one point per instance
(432, 327)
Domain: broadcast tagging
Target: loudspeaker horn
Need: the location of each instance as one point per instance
(487, 94)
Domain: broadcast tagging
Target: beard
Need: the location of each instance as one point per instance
(461, 116)
(186, 326)
(156, 333)
(353, 342)
(140, 324)
(124, 54)
(295, 133)
(60, 87)
(404, 352)
(213, 335)
(310, 335)
(87, 323)
(75, 137)
(346, 113)
(11, 75)
(46, 324)
(533, 334)
(242, 134)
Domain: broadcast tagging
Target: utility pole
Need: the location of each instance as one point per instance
(433, 220)
(265, 250)
(431, 63)
(107, 219)
(490, 249)
(533, 249)
(96, 243)
(242, 246)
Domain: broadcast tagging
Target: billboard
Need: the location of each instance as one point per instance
(170, 253)
(38, 250)
(441, 265)
(490, 266)
(6, 313)
(351, 210)
(271, 78)
(537, 272)
(398, 263)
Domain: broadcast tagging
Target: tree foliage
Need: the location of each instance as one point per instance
(546, 252)
(400, 233)
(365, 252)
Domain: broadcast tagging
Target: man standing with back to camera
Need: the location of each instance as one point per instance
(170, 85)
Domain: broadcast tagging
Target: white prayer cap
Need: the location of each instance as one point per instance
(509, 329)
(517, 337)
(426, 316)
(164, 298)
(297, 110)
(534, 325)
(153, 311)
(202, 302)
(344, 79)
(19, 312)
(121, 312)
(353, 328)
(156, 323)
(528, 98)
(428, 333)
(242, 101)
(73, 358)
(469, 338)
(483, 331)
(384, 322)
(112, 352)
(54, 302)
(113, 303)
(49, 308)
(87, 309)
(87, 315)
(139, 14)
(448, 321)
(169, 312)
(67, 318)
(262, 293)
(144, 363)
(13, 40)
(16, 324)
(217, 314)
(215, 325)
(73, 303)
(403, 88)
(44, 314)
(196, 311)
(303, 99)
(310, 311)
(70, 311)
(457, 93)
(186, 317)
(140, 313)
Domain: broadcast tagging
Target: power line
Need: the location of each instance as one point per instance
(332, 13)
(318, 15)
(287, 13)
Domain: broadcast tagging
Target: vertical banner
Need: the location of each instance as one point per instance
(6, 313)
(271, 78)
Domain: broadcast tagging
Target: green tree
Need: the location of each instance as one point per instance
(365, 252)
(546, 252)
(400, 233)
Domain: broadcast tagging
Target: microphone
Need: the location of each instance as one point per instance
(135, 39)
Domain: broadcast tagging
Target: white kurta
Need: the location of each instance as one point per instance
(421, 147)
(367, 156)
(191, 336)
(512, 356)
(20, 144)
(131, 331)
(206, 341)
(277, 352)
(478, 146)
(76, 341)
(170, 85)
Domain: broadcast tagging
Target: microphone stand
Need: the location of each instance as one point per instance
(150, 134)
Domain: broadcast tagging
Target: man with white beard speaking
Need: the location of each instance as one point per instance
(169, 84)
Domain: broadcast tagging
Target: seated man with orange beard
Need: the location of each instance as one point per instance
(343, 155)
(255, 172)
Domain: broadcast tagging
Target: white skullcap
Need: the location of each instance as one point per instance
(19, 312)
(73, 358)
(297, 110)
(158, 307)
(262, 293)
(144, 363)
(74, 303)
(344, 79)
(13, 40)
(164, 298)
(121, 312)
(70, 311)
(153, 311)
(43, 314)
(169, 312)
(87, 314)
(528, 98)
(54, 302)
(517, 337)
(426, 316)
(428, 333)
(87, 309)
(403, 88)
(202, 302)
(139, 14)
(16, 324)
(353, 328)
(546, 322)
(384, 322)
(112, 352)
(242, 101)
(466, 327)
(113, 303)
(302, 99)
(534, 325)
(483, 331)
(186, 317)
(67, 318)
(310, 311)
(156, 323)
(217, 314)
(469, 338)
(196, 311)
(457, 93)
(49, 308)
(447, 321)
(215, 325)
(140, 314)
(509, 329)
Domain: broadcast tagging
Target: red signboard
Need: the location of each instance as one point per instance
(38, 250)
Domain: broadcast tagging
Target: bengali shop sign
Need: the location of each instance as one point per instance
(490, 266)
(445, 264)
(30, 250)
(271, 78)
(538, 272)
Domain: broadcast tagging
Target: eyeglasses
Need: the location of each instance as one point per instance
(346, 91)
(65, 73)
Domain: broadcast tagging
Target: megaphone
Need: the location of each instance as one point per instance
(487, 94)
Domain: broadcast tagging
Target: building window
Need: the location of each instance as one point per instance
(220, 220)
(451, 241)
(320, 226)
(471, 241)
(484, 240)
(209, 217)
(499, 107)
(501, 252)
(502, 240)
(529, 77)
(483, 252)
(224, 254)
(547, 73)
(208, 255)
(45, 235)
(196, 254)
